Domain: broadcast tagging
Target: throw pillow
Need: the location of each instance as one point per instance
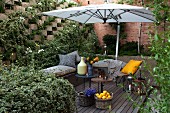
(78, 58)
(131, 67)
(67, 60)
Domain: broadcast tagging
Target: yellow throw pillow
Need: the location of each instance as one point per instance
(131, 67)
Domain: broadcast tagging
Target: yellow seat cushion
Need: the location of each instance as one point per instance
(131, 67)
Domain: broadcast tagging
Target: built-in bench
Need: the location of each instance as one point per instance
(66, 67)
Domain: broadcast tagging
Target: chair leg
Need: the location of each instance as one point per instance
(116, 80)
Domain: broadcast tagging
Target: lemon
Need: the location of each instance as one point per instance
(104, 97)
(97, 94)
(109, 97)
(105, 91)
(102, 94)
(99, 97)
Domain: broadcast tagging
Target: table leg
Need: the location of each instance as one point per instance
(84, 83)
(90, 83)
(98, 87)
(101, 87)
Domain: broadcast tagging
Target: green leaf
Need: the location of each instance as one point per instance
(156, 37)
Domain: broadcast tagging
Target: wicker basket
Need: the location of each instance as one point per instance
(84, 100)
(104, 104)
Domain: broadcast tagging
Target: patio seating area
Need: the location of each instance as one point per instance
(120, 101)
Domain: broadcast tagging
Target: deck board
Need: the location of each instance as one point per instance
(120, 102)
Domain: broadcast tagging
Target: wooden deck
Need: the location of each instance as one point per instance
(120, 102)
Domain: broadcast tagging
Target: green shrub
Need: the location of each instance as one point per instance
(73, 37)
(129, 48)
(25, 90)
(110, 41)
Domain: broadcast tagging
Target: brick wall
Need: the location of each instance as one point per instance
(132, 29)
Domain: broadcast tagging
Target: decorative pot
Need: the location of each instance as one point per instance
(82, 67)
(90, 69)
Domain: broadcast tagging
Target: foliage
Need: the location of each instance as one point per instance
(75, 37)
(2, 5)
(45, 5)
(160, 73)
(160, 41)
(13, 33)
(130, 48)
(110, 41)
(24, 90)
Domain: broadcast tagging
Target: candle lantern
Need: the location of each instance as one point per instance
(129, 84)
(140, 86)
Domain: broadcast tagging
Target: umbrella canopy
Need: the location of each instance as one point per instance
(105, 13)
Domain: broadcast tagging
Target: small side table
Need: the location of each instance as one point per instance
(86, 77)
(101, 81)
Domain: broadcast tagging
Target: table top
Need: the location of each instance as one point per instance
(86, 76)
(101, 80)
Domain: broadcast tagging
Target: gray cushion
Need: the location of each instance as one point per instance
(78, 58)
(60, 70)
(67, 60)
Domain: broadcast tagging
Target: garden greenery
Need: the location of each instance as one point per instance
(160, 48)
(23, 90)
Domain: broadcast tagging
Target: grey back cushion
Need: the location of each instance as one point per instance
(78, 58)
(67, 60)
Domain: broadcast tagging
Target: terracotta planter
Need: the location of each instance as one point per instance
(19, 8)
(33, 26)
(58, 8)
(59, 28)
(65, 4)
(8, 11)
(37, 38)
(49, 28)
(50, 37)
(26, 21)
(44, 32)
(32, 2)
(3, 16)
(40, 22)
(54, 24)
(9, 1)
(25, 4)
(58, 20)
(55, 32)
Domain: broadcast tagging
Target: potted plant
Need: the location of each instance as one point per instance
(86, 97)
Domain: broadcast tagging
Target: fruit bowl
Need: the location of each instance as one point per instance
(103, 100)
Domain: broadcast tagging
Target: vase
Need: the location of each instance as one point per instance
(82, 67)
(90, 69)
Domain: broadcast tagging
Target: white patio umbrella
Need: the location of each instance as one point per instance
(105, 13)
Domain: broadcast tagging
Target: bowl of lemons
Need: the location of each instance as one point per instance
(103, 100)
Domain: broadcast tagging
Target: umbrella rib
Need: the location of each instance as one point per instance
(93, 14)
(101, 17)
(96, 14)
(111, 12)
(141, 16)
(115, 16)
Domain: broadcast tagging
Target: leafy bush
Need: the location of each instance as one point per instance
(110, 41)
(25, 90)
(129, 48)
(74, 37)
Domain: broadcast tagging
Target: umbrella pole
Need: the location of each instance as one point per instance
(139, 38)
(117, 41)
